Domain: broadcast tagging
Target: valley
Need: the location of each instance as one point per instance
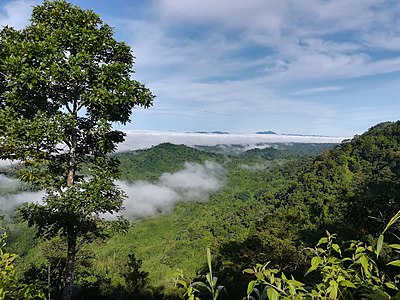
(247, 206)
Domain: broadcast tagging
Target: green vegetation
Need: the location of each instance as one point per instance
(10, 286)
(149, 164)
(274, 206)
(64, 80)
(169, 241)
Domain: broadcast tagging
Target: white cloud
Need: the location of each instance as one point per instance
(320, 89)
(194, 183)
(254, 167)
(146, 139)
(11, 195)
(293, 32)
(383, 40)
(8, 185)
(5, 164)
(302, 46)
(231, 63)
(16, 13)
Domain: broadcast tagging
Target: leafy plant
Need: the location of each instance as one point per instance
(183, 288)
(188, 290)
(271, 283)
(211, 284)
(10, 287)
(344, 274)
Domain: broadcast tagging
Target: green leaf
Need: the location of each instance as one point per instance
(379, 245)
(360, 249)
(333, 289)
(209, 260)
(393, 220)
(296, 283)
(347, 283)
(391, 286)
(201, 284)
(336, 248)
(315, 261)
(395, 263)
(323, 240)
(364, 263)
(395, 246)
(272, 294)
(250, 286)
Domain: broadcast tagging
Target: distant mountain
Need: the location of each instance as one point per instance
(265, 132)
(212, 132)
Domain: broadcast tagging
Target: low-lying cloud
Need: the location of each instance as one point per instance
(6, 164)
(255, 167)
(195, 182)
(11, 195)
(145, 139)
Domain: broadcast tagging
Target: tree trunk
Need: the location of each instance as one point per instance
(49, 281)
(71, 236)
(72, 162)
(70, 269)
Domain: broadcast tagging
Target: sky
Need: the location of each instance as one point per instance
(315, 67)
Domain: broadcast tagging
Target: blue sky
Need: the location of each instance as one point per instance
(309, 67)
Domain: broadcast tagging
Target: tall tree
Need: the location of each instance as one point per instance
(64, 80)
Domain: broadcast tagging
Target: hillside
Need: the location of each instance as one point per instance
(351, 190)
(274, 202)
(352, 183)
(150, 163)
(176, 239)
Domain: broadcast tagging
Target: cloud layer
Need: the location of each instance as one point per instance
(145, 139)
(11, 195)
(194, 183)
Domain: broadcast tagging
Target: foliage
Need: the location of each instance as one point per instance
(63, 81)
(189, 290)
(10, 286)
(270, 283)
(150, 163)
(268, 210)
(354, 275)
(229, 222)
(211, 281)
(181, 288)
(135, 279)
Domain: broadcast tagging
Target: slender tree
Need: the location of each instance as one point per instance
(64, 80)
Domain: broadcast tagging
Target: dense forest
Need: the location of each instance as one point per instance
(270, 205)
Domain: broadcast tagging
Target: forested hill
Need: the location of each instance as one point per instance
(354, 186)
(352, 190)
(290, 150)
(149, 164)
(272, 205)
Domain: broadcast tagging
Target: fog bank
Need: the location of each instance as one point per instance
(11, 195)
(195, 182)
(135, 140)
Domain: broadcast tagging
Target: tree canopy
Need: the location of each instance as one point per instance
(64, 80)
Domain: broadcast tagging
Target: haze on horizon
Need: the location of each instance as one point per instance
(310, 67)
